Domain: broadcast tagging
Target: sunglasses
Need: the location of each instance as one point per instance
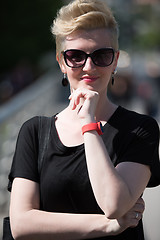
(102, 57)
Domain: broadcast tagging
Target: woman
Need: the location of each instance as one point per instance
(91, 180)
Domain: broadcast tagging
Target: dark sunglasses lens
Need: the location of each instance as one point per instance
(103, 57)
(74, 58)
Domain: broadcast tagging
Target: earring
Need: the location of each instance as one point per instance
(115, 71)
(64, 80)
(112, 79)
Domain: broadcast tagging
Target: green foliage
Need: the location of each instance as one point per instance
(139, 25)
(146, 27)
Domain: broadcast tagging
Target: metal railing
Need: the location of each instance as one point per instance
(44, 97)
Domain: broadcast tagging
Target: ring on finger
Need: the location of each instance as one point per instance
(137, 215)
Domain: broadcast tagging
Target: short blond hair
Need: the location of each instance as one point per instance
(83, 15)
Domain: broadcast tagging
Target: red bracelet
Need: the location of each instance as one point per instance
(93, 126)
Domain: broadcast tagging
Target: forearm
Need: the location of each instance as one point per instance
(116, 189)
(110, 190)
(36, 224)
(28, 222)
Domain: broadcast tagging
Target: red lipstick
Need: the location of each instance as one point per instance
(89, 79)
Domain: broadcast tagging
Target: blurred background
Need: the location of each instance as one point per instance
(30, 80)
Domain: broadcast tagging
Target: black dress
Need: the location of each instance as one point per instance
(64, 182)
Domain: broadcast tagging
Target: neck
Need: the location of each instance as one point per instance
(105, 109)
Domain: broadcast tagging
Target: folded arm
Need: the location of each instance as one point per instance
(28, 222)
(116, 189)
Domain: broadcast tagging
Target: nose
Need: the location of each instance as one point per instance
(89, 65)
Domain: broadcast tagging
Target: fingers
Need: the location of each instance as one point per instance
(132, 218)
(80, 95)
(76, 97)
(135, 214)
(139, 206)
(138, 215)
(140, 201)
(136, 218)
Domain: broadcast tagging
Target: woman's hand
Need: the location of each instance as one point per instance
(85, 101)
(130, 219)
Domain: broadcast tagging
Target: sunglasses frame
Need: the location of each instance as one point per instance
(88, 55)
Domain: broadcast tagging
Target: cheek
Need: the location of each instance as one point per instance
(73, 74)
(62, 65)
(105, 77)
(106, 73)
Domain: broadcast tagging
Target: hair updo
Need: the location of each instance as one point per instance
(83, 15)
